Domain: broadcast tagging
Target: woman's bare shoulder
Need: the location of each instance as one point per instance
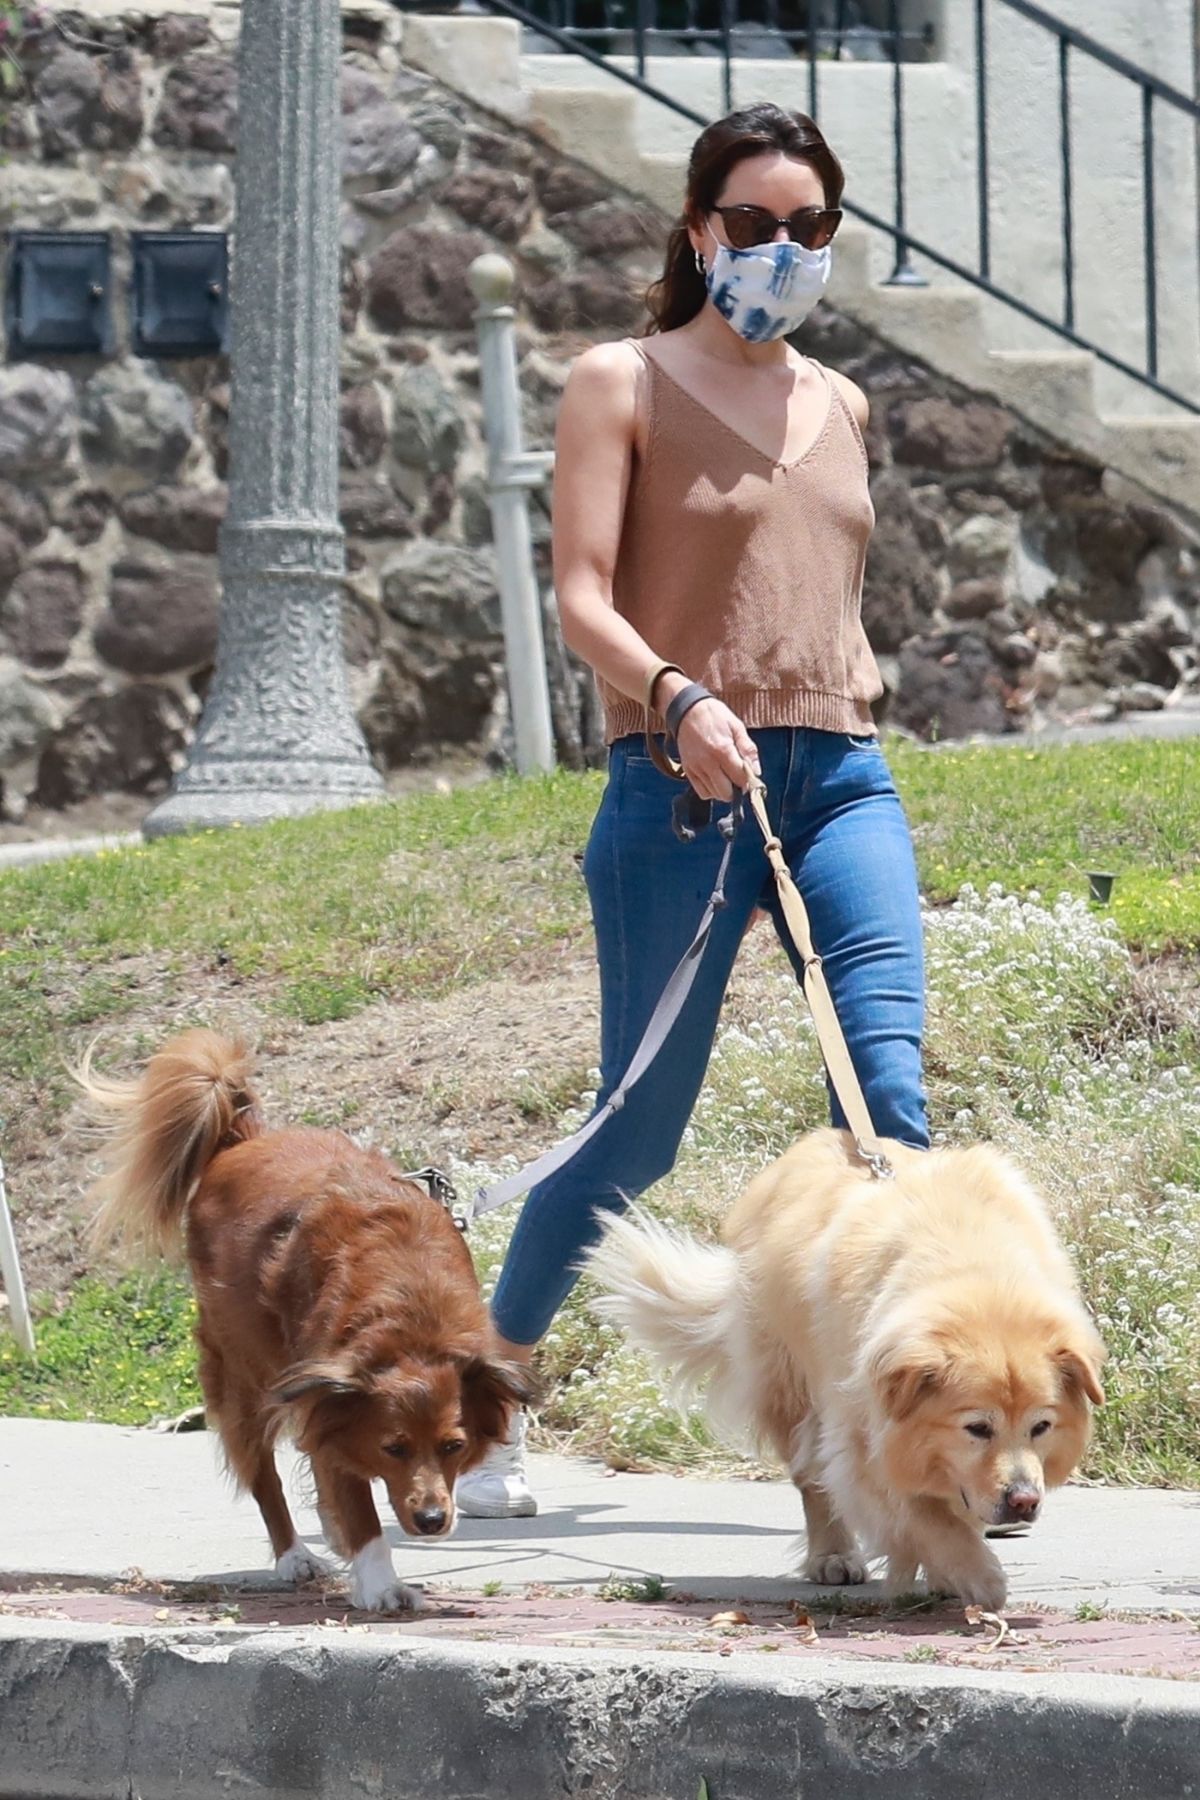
(604, 386)
(854, 397)
(608, 366)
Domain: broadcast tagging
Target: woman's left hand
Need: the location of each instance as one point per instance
(715, 749)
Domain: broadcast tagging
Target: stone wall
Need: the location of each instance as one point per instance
(1007, 579)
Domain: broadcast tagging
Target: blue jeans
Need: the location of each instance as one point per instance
(833, 804)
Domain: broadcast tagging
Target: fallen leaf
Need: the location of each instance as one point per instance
(975, 1615)
(734, 1617)
(162, 1613)
(804, 1625)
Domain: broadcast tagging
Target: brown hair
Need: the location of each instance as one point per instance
(679, 293)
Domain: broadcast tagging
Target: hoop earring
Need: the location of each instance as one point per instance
(700, 268)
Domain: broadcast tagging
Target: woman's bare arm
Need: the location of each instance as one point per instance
(594, 452)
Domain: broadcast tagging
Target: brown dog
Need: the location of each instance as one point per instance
(914, 1350)
(335, 1299)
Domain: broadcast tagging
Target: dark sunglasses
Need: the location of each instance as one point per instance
(812, 226)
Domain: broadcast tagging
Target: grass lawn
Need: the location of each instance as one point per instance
(1041, 819)
(1041, 1024)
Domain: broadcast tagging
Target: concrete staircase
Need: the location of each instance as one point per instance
(948, 325)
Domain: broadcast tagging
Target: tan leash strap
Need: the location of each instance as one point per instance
(666, 765)
(820, 1000)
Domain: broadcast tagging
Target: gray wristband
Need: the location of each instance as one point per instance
(682, 704)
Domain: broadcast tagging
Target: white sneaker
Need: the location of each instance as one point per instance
(499, 1487)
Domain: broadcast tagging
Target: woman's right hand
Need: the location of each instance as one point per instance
(714, 748)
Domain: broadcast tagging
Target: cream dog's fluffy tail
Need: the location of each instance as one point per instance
(681, 1302)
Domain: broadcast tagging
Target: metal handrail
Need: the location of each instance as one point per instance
(1079, 40)
(1152, 88)
(1070, 40)
(1024, 307)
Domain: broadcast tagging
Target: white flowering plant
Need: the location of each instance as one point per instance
(1042, 1036)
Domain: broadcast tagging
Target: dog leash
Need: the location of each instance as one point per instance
(670, 1005)
(687, 820)
(795, 914)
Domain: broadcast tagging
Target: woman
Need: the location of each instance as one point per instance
(711, 518)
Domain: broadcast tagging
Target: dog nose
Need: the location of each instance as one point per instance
(429, 1519)
(1021, 1503)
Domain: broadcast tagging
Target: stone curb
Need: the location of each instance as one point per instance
(91, 1714)
(43, 850)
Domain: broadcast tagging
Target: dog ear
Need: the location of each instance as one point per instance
(491, 1389)
(1078, 1364)
(317, 1380)
(905, 1374)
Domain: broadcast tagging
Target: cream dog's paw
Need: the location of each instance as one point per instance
(979, 1583)
(835, 1568)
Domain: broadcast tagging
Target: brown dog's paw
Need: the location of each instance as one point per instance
(902, 1572)
(373, 1584)
(300, 1565)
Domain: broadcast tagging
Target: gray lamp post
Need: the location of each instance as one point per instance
(278, 736)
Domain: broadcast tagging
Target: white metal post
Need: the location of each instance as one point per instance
(511, 472)
(14, 1284)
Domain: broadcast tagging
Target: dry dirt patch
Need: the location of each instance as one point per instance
(481, 1074)
(427, 1080)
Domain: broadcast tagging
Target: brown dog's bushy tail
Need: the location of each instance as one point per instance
(162, 1131)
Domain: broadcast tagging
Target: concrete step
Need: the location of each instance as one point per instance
(602, 120)
(479, 58)
(662, 181)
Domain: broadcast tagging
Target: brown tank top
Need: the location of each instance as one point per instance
(745, 571)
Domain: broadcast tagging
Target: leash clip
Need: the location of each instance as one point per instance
(729, 821)
(441, 1189)
(690, 815)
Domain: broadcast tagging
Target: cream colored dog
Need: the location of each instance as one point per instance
(914, 1349)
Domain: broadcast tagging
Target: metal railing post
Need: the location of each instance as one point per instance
(1068, 192)
(14, 1284)
(1149, 229)
(981, 140)
(511, 472)
(727, 22)
(904, 272)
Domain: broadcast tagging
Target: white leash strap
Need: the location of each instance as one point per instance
(10, 1269)
(670, 1005)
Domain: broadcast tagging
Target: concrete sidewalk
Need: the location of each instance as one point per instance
(97, 1501)
(198, 1676)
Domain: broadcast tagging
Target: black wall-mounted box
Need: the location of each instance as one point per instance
(57, 299)
(180, 293)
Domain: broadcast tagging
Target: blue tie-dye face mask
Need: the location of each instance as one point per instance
(768, 290)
